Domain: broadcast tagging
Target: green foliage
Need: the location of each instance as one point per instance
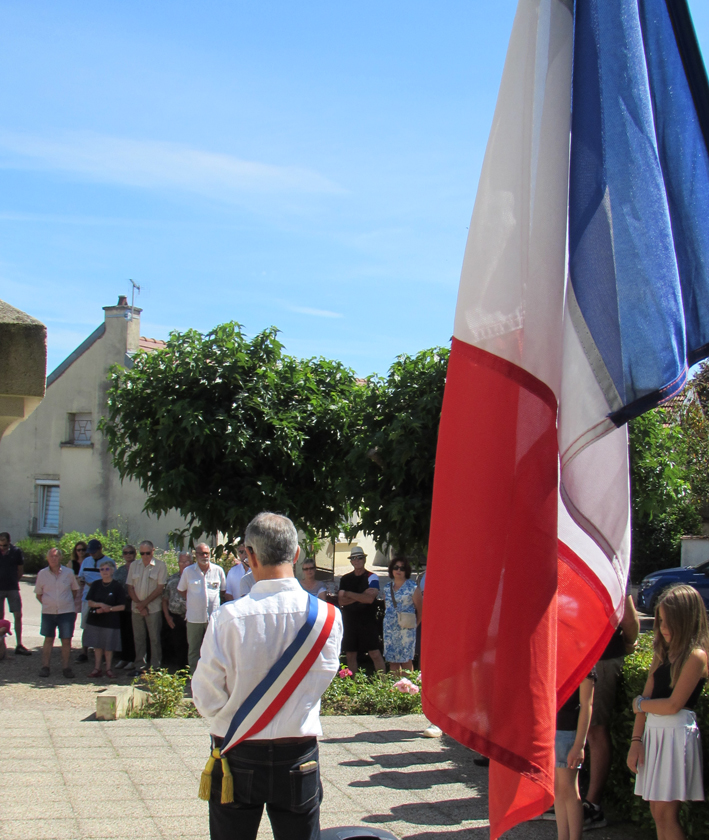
(35, 549)
(393, 460)
(364, 695)
(663, 504)
(619, 790)
(220, 428)
(166, 694)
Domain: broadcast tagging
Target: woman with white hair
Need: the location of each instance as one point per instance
(107, 600)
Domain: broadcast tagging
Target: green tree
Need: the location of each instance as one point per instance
(220, 427)
(664, 506)
(394, 456)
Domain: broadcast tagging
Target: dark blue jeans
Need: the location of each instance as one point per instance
(283, 777)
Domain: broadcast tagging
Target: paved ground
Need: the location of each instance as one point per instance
(65, 775)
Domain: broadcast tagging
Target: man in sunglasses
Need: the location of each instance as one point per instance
(145, 583)
(359, 589)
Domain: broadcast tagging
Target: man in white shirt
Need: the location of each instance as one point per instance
(236, 573)
(276, 765)
(55, 589)
(201, 584)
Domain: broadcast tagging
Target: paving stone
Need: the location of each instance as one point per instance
(47, 829)
(188, 807)
(144, 827)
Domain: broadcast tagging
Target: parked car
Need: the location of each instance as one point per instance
(655, 584)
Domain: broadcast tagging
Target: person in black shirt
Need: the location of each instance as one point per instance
(106, 599)
(572, 722)
(12, 565)
(359, 590)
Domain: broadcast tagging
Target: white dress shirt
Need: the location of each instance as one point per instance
(201, 591)
(244, 639)
(233, 579)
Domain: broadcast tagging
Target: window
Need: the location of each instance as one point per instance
(80, 429)
(48, 507)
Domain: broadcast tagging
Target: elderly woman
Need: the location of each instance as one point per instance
(309, 584)
(400, 618)
(107, 600)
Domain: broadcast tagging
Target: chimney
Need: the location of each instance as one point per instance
(123, 324)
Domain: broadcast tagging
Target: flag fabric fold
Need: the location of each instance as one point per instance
(584, 296)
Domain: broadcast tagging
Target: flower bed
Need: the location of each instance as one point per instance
(386, 694)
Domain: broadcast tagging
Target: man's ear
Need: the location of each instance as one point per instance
(297, 555)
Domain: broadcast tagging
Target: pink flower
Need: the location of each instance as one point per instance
(406, 686)
(344, 672)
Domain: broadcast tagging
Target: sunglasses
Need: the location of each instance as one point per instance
(308, 568)
(145, 553)
(128, 552)
(398, 568)
(83, 550)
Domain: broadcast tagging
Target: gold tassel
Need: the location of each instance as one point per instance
(205, 783)
(227, 783)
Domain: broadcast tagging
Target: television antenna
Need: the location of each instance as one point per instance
(136, 287)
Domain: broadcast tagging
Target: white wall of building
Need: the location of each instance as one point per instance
(91, 495)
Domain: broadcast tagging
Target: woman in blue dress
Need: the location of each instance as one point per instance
(400, 618)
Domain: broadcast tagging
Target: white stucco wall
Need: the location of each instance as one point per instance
(91, 496)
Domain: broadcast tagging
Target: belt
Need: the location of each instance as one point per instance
(218, 740)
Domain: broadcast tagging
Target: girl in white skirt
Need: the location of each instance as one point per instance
(665, 750)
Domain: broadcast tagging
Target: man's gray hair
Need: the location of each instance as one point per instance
(55, 550)
(147, 542)
(272, 538)
(185, 554)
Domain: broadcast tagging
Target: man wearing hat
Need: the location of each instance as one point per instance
(359, 590)
(88, 574)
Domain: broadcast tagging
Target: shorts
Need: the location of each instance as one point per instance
(608, 671)
(562, 746)
(64, 621)
(360, 634)
(14, 601)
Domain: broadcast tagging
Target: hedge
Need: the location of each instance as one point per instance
(35, 549)
(619, 791)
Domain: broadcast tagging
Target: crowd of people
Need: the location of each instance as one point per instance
(134, 615)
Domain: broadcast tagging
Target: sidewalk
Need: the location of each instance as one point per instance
(66, 775)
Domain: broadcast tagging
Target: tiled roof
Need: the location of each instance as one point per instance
(150, 343)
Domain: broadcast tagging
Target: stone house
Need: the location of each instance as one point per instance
(56, 474)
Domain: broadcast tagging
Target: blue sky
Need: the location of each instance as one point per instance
(311, 166)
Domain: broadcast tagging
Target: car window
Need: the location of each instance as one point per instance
(703, 567)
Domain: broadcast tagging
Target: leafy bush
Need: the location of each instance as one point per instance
(35, 549)
(375, 695)
(166, 695)
(619, 790)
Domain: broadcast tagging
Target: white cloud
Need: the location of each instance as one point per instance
(318, 313)
(155, 165)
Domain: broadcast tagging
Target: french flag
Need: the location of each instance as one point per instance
(584, 298)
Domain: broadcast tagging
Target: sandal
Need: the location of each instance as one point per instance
(97, 672)
(110, 674)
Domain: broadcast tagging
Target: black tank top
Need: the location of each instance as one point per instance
(661, 686)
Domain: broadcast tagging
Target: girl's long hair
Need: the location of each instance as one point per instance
(686, 619)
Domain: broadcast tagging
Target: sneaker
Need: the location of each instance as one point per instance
(549, 815)
(44, 671)
(432, 731)
(21, 650)
(120, 664)
(139, 672)
(68, 673)
(129, 666)
(82, 657)
(593, 816)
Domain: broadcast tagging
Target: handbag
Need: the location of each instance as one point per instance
(407, 620)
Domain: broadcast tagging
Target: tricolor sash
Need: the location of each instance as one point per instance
(269, 696)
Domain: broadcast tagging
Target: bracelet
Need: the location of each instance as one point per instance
(636, 739)
(638, 701)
